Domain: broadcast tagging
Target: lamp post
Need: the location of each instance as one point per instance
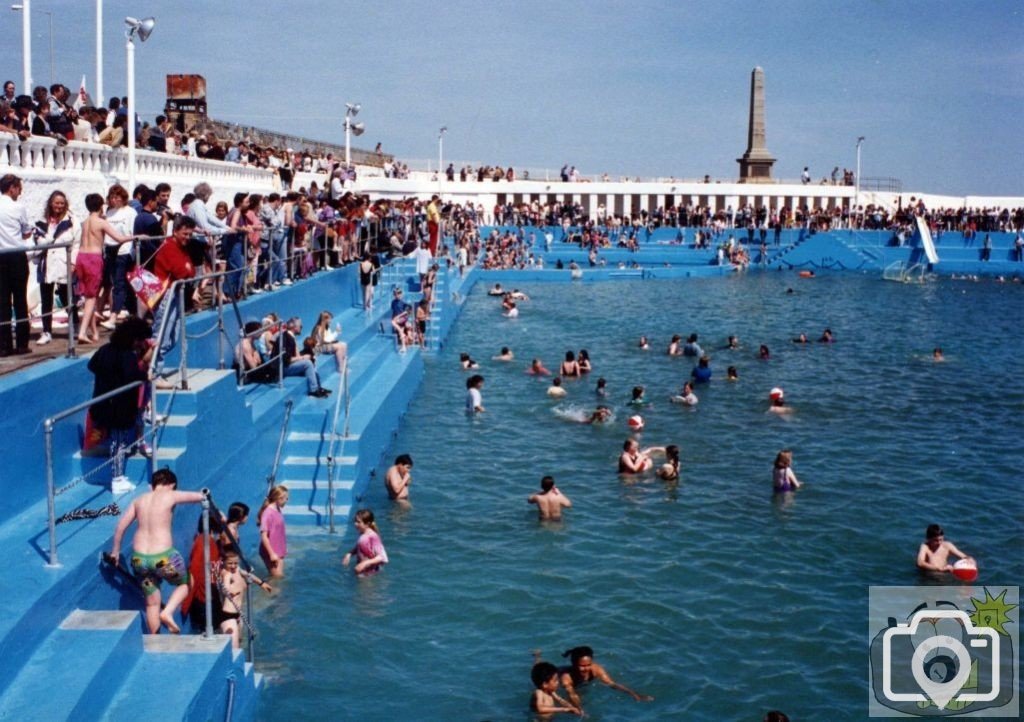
(856, 179)
(99, 54)
(142, 28)
(440, 151)
(26, 43)
(351, 111)
(24, 7)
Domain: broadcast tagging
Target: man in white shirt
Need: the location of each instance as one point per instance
(15, 230)
(423, 259)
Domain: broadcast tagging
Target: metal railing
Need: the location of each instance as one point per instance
(272, 476)
(331, 463)
(246, 616)
(52, 492)
(277, 358)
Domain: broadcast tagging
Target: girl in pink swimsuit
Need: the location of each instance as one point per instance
(368, 549)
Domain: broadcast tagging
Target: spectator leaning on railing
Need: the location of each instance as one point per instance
(172, 264)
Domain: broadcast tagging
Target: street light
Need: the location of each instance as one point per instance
(26, 43)
(351, 111)
(99, 54)
(21, 7)
(142, 28)
(440, 151)
(856, 179)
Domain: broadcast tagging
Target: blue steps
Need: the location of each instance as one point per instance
(105, 643)
(184, 678)
(373, 416)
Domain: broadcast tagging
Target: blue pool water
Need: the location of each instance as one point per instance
(710, 595)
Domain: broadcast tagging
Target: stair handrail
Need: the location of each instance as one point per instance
(272, 476)
(343, 394)
(246, 565)
(51, 490)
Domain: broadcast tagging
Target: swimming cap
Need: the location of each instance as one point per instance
(775, 394)
(636, 422)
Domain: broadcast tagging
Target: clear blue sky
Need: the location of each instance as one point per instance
(644, 87)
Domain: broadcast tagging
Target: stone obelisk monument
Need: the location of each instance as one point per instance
(756, 163)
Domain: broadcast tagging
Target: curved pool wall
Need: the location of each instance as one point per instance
(39, 631)
(852, 250)
(218, 436)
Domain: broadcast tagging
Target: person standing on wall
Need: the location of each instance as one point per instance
(434, 222)
(14, 231)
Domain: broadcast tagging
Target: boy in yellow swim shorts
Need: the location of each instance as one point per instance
(154, 557)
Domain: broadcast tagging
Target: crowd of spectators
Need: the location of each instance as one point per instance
(258, 243)
(56, 113)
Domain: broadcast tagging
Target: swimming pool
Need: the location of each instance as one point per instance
(708, 595)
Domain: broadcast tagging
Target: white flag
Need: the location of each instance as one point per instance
(83, 96)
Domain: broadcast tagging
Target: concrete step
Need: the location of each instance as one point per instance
(190, 676)
(73, 673)
(317, 515)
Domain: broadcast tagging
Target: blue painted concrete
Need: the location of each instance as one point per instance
(219, 436)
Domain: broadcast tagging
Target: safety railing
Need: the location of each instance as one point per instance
(246, 615)
(272, 476)
(41, 154)
(116, 460)
(331, 462)
(272, 360)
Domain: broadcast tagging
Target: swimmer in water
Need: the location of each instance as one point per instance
(686, 396)
(802, 338)
(826, 336)
(601, 415)
(601, 389)
(537, 369)
(512, 311)
(933, 556)
(634, 460)
(583, 359)
(778, 402)
(937, 355)
(733, 344)
(474, 399)
(638, 396)
(731, 374)
(555, 390)
(673, 346)
(701, 373)
(763, 353)
(467, 363)
(550, 501)
(570, 367)
(496, 291)
(518, 295)
(669, 471)
(505, 355)
(584, 669)
(643, 345)
(545, 700)
(783, 478)
(398, 478)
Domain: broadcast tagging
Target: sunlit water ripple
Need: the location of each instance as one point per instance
(710, 595)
